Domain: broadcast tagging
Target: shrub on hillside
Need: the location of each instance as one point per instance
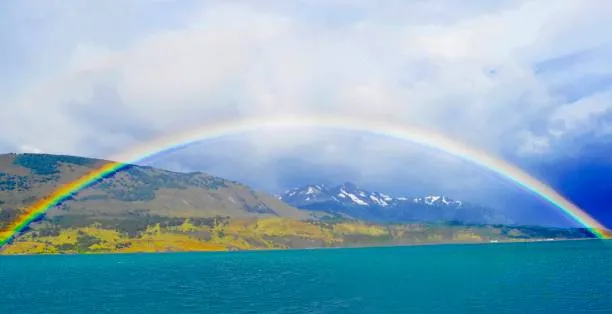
(44, 164)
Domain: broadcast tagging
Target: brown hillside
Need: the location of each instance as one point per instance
(133, 191)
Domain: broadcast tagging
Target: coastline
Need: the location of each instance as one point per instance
(364, 246)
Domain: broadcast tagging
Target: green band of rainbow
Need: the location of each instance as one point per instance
(396, 131)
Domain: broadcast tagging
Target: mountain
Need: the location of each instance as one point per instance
(143, 209)
(131, 193)
(349, 199)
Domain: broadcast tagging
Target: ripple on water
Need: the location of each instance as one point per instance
(560, 277)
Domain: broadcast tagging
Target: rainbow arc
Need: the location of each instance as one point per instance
(415, 135)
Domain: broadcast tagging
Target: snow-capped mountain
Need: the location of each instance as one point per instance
(346, 194)
(350, 200)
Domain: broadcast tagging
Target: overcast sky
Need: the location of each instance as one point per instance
(526, 80)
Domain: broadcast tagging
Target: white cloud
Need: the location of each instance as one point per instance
(29, 149)
(532, 144)
(579, 115)
(467, 71)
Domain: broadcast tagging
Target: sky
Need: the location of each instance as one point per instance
(528, 81)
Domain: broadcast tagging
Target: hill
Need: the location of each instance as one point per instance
(132, 193)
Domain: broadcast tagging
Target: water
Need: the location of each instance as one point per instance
(557, 277)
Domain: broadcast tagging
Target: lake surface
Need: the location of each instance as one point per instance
(545, 277)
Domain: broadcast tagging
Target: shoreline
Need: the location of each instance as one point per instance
(365, 246)
(429, 244)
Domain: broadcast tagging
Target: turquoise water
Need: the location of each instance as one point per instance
(551, 277)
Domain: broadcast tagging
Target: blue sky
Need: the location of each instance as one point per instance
(526, 80)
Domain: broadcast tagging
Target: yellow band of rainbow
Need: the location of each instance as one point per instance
(396, 131)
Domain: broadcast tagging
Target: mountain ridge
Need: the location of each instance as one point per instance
(348, 198)
(28, 177)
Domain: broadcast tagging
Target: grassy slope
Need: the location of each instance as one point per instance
(222, 234)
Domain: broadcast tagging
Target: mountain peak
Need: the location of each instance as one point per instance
(349, 186)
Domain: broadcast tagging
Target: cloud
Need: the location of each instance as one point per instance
(100, 78)
(29, 149)
(580, 115)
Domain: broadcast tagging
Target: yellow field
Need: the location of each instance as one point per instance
(241, 234)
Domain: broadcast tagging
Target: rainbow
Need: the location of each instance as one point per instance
(415, 135)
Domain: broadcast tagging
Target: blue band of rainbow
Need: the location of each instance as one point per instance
(411, 134)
